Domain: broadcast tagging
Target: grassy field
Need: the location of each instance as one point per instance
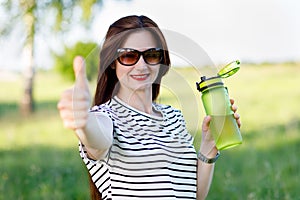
(40, 160)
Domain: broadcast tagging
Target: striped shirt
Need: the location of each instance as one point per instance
(151, 157)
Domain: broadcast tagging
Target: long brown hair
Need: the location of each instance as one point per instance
(107, 78)
(115, 37)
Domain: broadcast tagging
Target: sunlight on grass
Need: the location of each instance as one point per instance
(39, 130)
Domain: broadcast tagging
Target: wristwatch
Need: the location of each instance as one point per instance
(208, 160)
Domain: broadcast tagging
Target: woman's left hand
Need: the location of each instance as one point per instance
(207, 146)
(236, 115)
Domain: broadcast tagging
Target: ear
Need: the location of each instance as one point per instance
(113, 66)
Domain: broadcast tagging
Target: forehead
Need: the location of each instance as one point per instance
(140, 40)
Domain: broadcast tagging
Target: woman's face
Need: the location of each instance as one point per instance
(140, 76)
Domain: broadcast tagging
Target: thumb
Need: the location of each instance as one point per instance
(80, 72)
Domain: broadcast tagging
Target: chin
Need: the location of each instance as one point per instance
(143, 86)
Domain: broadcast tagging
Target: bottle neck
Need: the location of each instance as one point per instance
(209, 83)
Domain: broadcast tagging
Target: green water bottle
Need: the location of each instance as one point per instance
(216, 102)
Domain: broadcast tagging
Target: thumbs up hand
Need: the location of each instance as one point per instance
(80, 72)
(75, 102)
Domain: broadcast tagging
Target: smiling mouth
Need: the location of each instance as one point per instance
(141, 77)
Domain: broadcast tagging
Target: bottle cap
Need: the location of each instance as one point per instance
(229, 69)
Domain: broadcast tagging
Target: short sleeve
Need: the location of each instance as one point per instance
(99, 172)
(104, 109)
(98, 169)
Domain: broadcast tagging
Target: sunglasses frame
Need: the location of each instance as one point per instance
(121, 50)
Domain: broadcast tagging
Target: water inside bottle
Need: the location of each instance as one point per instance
(225, 131)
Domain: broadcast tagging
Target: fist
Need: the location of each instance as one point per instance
(75, 102)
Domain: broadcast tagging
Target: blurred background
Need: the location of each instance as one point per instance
(39, 39)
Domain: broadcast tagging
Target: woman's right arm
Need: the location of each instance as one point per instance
(93, 129)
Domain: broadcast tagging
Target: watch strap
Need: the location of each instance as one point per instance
(203, 158)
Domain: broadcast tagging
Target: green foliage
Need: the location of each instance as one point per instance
(64, 62)
(33, 13)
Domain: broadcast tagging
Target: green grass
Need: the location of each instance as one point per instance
(40, 160)
(42, 172)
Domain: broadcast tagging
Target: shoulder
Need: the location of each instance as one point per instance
(167, 109)
(102, 108)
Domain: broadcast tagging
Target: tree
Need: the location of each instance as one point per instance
(32, 13)
(64, 62)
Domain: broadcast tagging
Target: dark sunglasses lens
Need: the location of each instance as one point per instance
(153, 56)
(128, 57)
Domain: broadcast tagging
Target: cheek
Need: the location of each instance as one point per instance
(121, 72)
(155, 71)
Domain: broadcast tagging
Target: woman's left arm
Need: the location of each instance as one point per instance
(208, 149)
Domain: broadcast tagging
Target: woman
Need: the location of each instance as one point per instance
(133, 147)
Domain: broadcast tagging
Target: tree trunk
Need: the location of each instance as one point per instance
(27, 101)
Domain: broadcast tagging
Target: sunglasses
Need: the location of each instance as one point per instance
(129, 57)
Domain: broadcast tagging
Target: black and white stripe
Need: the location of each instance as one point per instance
(151, 157)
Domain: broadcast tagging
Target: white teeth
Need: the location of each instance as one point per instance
(139, 76)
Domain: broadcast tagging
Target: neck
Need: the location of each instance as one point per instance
(140, 100)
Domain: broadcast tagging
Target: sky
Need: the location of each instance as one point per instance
(250, 30)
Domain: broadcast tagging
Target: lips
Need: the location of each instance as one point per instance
(140, 77)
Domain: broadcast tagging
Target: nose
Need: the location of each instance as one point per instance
(141, 64)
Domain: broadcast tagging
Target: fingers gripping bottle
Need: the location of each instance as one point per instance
(216, 102)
